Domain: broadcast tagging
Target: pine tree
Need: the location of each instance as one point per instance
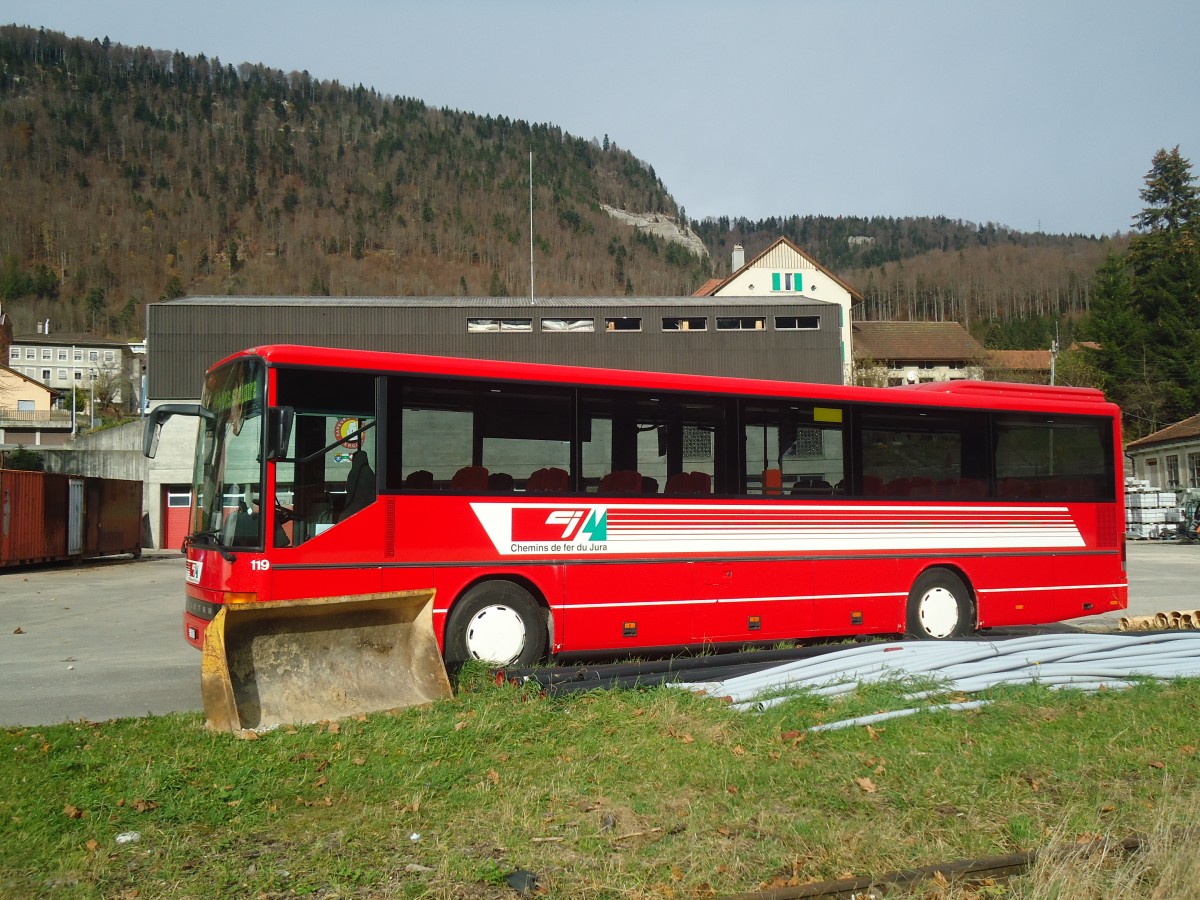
(1165, 262)
(1146, 307)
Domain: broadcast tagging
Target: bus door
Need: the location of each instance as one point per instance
(325, 488)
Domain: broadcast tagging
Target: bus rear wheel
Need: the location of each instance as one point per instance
(940, 607)
(496, 622)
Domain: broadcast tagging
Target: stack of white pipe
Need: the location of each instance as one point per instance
(1081, 661)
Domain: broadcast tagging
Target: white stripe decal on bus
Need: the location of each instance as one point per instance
(539, 529)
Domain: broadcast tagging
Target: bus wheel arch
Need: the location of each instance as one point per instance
(941, 605)
(498, 621)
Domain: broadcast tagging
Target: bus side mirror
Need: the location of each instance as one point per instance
(279, 430)
(159, 415)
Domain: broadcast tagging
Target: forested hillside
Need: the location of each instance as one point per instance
(1010, 289)
(133, 174)
(130, 175)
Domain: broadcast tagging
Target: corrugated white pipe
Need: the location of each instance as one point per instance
(1096, 658)
(899, 713)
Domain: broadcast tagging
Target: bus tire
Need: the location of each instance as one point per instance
(940, 607)
(496, 622)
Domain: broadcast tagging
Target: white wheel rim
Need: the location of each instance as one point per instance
(495, 634)
(938, 612)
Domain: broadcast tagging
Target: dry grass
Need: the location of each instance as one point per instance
(631, 795)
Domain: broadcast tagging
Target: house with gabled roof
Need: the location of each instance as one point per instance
(27, 414)
(912, 352)
(786, 274)
(1169, 458)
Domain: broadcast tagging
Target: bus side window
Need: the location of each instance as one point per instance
(792, 449)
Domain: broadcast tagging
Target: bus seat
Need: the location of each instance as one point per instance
(470, 478)
(649, 485)
(872, 485)
(920, 486)
(360, 485)
(500, 482)
(622, 481)
(678, 483)
(970, 489)
(897, 487)
(1014, 488)
(689, 483)
(811, 486)
(421, 480)
(548, 480)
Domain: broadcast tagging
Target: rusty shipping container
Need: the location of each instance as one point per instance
(46, 517)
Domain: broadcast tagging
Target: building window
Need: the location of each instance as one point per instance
(740, 323)
(25, 406)
(697, 442)
(78, 356)
(62, 375)
(797, 323)
(93, 355)
(30, 353)
(47, 354)
(685, 323)
(45, 375)
(14, 353)
(109, 356)
(78, 376)
(809, 442)
(787, 281)
(474, 325)
(62, 354)
(626, 323)
(568, 324)
(1193, 470)
(1172, 472)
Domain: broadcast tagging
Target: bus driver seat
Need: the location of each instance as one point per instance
(360, 485)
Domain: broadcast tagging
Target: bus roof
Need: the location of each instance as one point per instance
(960, 393)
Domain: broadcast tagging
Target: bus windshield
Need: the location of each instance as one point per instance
(228, 474)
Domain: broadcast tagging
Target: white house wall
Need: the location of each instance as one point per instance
(756, 281)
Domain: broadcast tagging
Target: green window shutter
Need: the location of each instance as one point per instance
(774, 281)
(799, 282)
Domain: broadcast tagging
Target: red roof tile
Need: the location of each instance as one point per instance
(932, 341)
(1180, 431)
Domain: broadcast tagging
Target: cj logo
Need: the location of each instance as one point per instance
(572, 525)
(568, 518)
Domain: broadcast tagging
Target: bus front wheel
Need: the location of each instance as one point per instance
(940, 607)
(496, 622)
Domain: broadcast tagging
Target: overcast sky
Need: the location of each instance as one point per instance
(1036, 114)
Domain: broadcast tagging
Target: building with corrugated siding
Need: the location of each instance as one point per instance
(792, 338)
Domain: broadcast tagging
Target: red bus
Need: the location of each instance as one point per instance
(562, 510)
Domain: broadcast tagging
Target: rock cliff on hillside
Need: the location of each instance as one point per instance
(661, 226)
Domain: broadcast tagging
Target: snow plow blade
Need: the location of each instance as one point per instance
(295, 661)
